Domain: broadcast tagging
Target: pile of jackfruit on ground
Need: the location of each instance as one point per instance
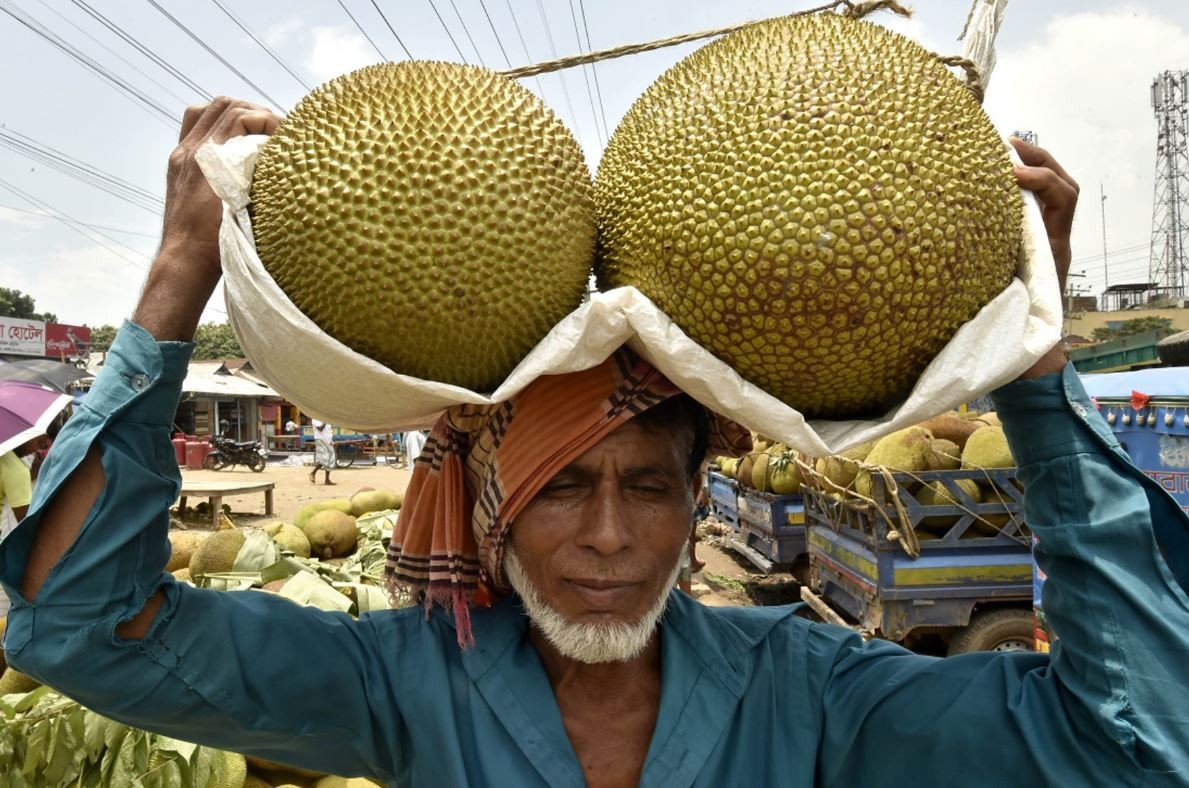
(332, 557)
(953, 441)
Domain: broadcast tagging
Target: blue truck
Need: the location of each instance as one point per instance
(955, 577)
(1148, 411)
(768, 530)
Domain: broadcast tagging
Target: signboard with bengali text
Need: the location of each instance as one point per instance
(22, 337)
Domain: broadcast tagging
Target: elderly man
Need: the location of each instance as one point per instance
(544, 534)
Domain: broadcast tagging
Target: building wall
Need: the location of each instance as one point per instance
(1084, 323)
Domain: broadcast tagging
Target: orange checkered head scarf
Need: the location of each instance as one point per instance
(483, 464)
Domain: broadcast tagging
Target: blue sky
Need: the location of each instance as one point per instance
(1077, 72)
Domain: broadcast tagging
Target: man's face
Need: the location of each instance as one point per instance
(601, 541)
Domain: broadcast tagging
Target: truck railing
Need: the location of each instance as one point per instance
(895, 517)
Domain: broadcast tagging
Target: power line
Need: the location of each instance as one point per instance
(44, 215)
(144, 50)
(408, 54)
(527, 57)
(75, 224)
(359, 27)
(243, 26)
(95, 67)
(132, 186)
(67, 165)
(111, 51)
(461, 56)
(553, 51)
(216, 55)
(468, 33)
(594, 70)
(491, 24)
(586, 76)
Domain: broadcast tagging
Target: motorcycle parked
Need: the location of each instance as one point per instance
(226, 453)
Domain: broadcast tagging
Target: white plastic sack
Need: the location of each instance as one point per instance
(332, 382)
(982, 28)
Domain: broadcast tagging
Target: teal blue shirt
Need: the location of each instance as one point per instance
(750, 696)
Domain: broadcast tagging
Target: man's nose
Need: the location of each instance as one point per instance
(605, 527)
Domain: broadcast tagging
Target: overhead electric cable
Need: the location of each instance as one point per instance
(216, 55)
(144, 50)
(359, 27)
(461, 56)
(467, 31)
(1121, 250)
(586, 76)
(45, 215)
(112, 52)
(84, 172)
(499, 43)
(594, 69)
(527, 57)
(268, 50)
(392, 30)
(129, 185)
(560, 74)
(94, 66)
(76, 225)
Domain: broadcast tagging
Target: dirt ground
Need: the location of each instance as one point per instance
(293, 489)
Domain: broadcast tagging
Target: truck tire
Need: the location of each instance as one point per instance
(995, 630)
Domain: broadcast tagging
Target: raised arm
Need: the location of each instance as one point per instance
(94, 614)
(1110, 705)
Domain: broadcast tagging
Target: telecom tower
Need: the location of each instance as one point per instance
(1170, 210)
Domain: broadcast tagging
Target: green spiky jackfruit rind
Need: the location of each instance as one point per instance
(375, 501)
(404, 198)
(331, 533)
(216, 553)
(310, 509)
(944, 455)
(293, 539)
(817, 201)
(905, 450)
(987, 447)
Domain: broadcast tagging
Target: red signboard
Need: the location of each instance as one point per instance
(63, 341)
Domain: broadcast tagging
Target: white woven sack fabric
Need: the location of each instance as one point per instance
(332, 382)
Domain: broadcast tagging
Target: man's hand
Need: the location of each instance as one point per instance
(180, 283)
(187, 266)
(1058, 197)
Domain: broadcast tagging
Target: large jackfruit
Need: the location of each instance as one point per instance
(435, 217)
(817, 201)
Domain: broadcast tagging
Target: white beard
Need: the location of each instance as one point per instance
(589, 643)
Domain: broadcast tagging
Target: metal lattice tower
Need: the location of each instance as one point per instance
(1169, 260)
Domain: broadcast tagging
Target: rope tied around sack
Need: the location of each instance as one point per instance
(851, 8)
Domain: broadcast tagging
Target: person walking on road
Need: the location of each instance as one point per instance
(323, 450)
(414, 443)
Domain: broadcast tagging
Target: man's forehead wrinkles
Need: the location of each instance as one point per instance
(589, 469)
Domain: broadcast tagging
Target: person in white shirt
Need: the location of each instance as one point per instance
(323, 450)
(414, 443)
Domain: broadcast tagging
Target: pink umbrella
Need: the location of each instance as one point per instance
(26, 410)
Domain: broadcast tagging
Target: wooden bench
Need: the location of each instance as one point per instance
(216, 491)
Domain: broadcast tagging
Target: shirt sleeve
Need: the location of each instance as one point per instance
(1108, 706)
(16, 484)
(245, 671)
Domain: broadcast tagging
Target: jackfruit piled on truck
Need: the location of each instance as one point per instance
(759, 496)
(903, 543)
